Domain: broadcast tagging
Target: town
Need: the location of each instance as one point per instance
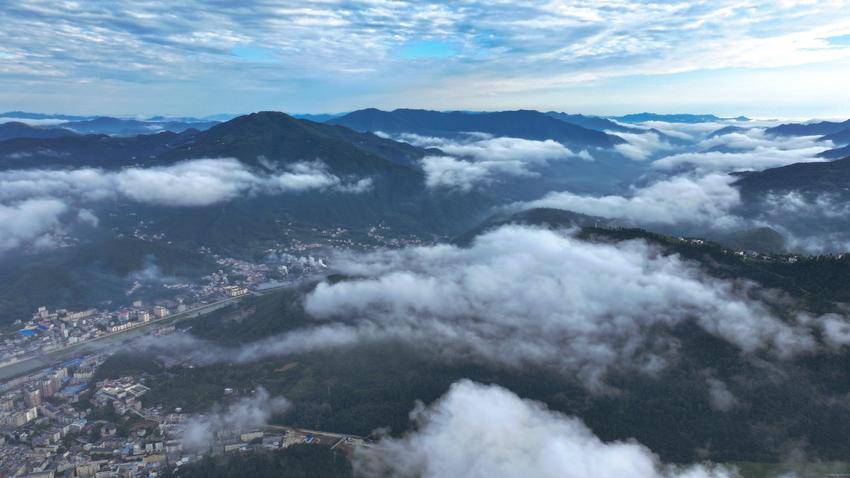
(55, 420)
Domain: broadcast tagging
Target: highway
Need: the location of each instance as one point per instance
(102, 342)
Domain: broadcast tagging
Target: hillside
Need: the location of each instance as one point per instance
(126, 127)
(15, 129)
(671, 118)
(365, 391)
(525, 124)
(597, 123)
(283, 139)
(840, 138)
(809, 129)
(837, 153)
(87, 150)
(826, 177)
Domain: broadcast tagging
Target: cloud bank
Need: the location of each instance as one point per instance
(526, 297)
(481, 431)
(479, 159)
(522, 295)
(685, 199)
(691, 191)
(33, 201)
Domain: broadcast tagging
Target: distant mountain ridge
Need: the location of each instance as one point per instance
(127, 127)
(526, 124)
(90, 150)
(43, 116)
(594, 122)
(837, 153)
(841, 138)
(822, 177)
(821, 128)
(673, 118)
(14, 129)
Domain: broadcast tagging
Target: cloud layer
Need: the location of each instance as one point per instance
(689, 188)
(684, 200)
(33, 201)
(481, 431)
(523, 295)
(478, 159)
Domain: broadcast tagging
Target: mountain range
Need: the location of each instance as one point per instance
(821, 128)
(673, 118)
(830, 177)
(16, 129)
(125, 127)
(526, 124)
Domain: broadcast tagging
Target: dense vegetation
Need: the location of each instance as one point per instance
(297, 461)
(359, 389)
(88, 275)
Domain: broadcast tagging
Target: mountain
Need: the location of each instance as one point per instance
(594, 122)
(759, 239)
(125, 127)
(809, 129)
(42, 116)
(92, 150)
(726, 130)
(220, 117)
(840, 138)
(670, 411)
(837, 153)
(318, 118)
(398, 197)
(544, 217)
(525, 124)
(673, 118)
(15, 129)
(283, 139)
(826, 177)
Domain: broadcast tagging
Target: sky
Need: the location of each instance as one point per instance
(773, 58)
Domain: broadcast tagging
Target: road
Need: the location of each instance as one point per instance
(104, 341)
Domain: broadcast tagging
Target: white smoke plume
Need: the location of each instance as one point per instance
(247, 414)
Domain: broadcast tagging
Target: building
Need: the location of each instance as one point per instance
(235, 291)
(75, 316)
(32, 397)
(159, 312)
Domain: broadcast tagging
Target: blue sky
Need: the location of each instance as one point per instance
(194, 57)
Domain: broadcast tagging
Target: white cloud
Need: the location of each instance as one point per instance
(522, 296)
(30, 220)
(477, 158)
(679, 200)
(249, 413)
(483, 147)
(641, 146)
(445, 171)
(748, 150)
(86, 216)
(503, 435)
(32, 200)
(719, 396)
